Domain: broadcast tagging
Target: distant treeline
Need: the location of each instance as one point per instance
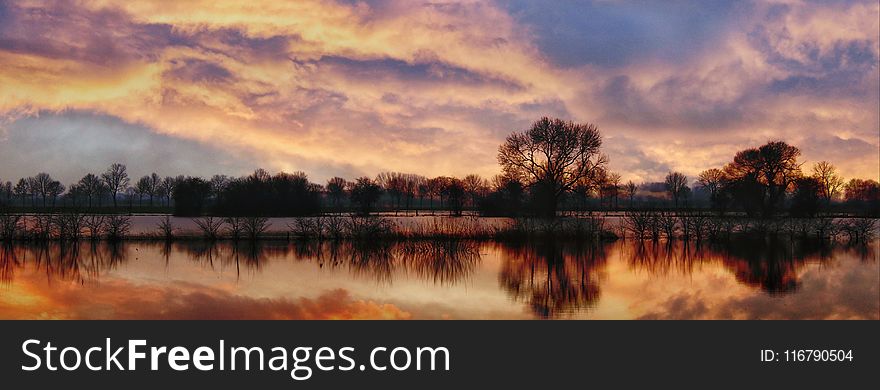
(552, 168)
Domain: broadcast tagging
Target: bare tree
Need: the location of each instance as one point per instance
(392, 183)
(676, 185)
(144, 186)
(629, 189)
(115, 179)
(336, 190)
(55, 189)
(712, 180)
(118, 227)
(168, 184)
(552, 156)
(475, 187)
(22, 190)
(830, 182)
(155, 180)
(40, 185)
(254, 227)
(364, 193)
(614, 182)
(218, 185)
(209, 226)
(91, 186)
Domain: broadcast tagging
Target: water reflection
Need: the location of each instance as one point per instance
(545, 279)
(553, 278)
(61, 262)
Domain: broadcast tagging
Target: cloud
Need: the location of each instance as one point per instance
(357, 87)
(179, 301)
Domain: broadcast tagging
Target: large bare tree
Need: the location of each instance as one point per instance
(830, 182)
(676, 185)
(115, 179)
(551, 157)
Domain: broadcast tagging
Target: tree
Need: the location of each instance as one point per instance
(54, 189)
(712, 180)
(760, 177)
(861, 190)
(90, 186)
(393, 184)
(676, 185)
(364, 193)
(434, 186)
(454, 192)
(144, 186)
(336, 190)
(864, 195)
(411, 183)
(22, 189)
(551, 157)
(806, 197)
(614, 183)
(115, 179)
(830, 182)
(42, 184)
(218, 185)
(505, 199)
(630, 189)
(168, 184)
(424, 190)
(74, 192)
(475, 187)
(155, 181)
(189, 196)
(7, 191)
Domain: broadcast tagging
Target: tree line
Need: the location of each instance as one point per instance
(554, 166)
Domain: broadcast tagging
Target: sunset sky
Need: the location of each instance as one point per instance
(353, 88)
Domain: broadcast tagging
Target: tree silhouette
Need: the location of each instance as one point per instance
(54, 190)
(760, 177)
(336, 190)
(219, 183)
(167, 187)
(630, 189)
(115, 179)
(21, 190)
(808, 192)
(190, 195)
(551, 157)
(454, 192)
(364, 193)
(676, 185)
(712, 180)
(155, 189)
(830, 182)
(475, 187)
(91, 187)
(144, 186)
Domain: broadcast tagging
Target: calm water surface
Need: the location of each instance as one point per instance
(426, 280)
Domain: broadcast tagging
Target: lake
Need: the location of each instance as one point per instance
(625, 279)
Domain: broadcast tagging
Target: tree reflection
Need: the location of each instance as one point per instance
(554, 278)
(441, 261)
(770, 265)
(63, 262)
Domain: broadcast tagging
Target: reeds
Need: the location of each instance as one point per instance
(654, 226)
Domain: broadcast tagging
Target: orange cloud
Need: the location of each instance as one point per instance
(122, 299)
(429, 86)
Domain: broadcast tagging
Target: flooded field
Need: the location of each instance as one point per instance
(626, 279)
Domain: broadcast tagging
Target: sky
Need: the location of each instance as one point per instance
(352, 88)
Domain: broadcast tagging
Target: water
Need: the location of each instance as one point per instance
(427, 280)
